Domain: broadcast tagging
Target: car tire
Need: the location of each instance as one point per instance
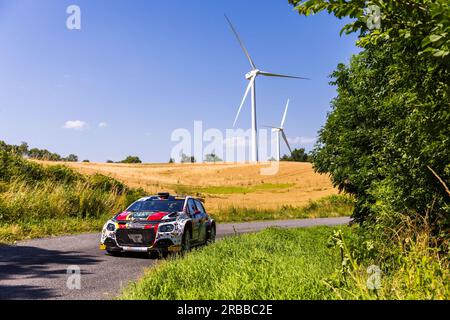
(186, 241)
(113, 253)
(156, 255)
(211, 235)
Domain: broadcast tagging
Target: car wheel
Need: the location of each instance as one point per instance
(212, 235)
(186, 241)
(113, 253)
(163, 254)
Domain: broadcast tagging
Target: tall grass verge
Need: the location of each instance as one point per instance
(411, 265)
(40, 201)
(272, 264)
(300, 264)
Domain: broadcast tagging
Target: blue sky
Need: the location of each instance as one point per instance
(145, 68)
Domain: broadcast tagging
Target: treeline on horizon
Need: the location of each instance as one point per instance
(34, 153)
(297, 155)
(24, 150)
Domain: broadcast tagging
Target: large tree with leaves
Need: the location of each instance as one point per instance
(387, 137)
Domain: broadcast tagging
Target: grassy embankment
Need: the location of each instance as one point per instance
(272, 264)
(37, 201)
(293, 264)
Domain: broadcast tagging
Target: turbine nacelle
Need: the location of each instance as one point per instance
(251, 74)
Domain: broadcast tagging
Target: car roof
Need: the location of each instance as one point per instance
(171, 197)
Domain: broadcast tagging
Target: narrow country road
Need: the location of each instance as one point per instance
(37, 269)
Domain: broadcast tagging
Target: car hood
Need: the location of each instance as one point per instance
(141, 216)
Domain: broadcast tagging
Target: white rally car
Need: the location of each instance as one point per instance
(159, 224)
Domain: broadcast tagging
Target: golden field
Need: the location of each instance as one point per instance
(222, 184)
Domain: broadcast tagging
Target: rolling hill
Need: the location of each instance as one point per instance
(222, 184)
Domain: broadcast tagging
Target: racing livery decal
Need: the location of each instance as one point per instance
(162, 223)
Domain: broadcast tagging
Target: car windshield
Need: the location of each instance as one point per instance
(157, 205)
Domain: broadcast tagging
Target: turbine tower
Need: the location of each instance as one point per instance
(251, 76)
(280, 131)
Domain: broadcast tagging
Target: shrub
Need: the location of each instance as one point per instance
(105, 183)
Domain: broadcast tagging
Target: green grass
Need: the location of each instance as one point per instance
(414, 265)
(330, 206)
(272, 264)
(297, 264)
(199, 191)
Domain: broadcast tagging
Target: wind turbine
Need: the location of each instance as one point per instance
(280, 131)
(251, 76)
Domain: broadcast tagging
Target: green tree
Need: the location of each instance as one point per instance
(212, 157)
(72, 158)
(423, 24)
(187, 159)
(297, 155)
(33, 153)
(131, 159)
(20, 150)
(23, 149)
(390, 121)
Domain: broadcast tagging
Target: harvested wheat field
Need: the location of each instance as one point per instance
(223, 184)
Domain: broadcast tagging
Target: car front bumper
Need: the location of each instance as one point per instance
(156, 247)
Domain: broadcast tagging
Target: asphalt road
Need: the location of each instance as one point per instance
(37, 269)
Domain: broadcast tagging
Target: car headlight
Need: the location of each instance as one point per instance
(110, 227)
(166, 228)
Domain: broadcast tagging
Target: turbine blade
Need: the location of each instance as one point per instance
(284, 115)
(269, 74)
(250, 84)
(241, 43)
(286, 140)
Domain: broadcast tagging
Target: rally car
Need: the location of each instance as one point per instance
(160, 224)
